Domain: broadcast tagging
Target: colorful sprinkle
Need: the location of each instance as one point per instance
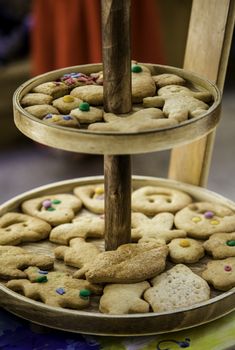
(84, 106)
(46, 204)
(184, 243)
(43, 272)
(41, 279)
(231, 243)
(56, 201)
(209, 214)
(56, 118)
(67, 117)
(84, 293)
(214, 222)
(99, 190)
(196, 219)
(136, 69)
(60, 291)
(50, 209)
(68, 98)
(227, 268)
(48, 116)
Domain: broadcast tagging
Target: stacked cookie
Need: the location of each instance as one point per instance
(76, 100)
(179, 247)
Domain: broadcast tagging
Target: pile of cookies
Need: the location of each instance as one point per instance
(75, 100)
(181, 251)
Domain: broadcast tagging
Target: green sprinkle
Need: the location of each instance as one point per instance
(231, 243)
(84, 106)
(84, 293)
(136, 69)
(41, 279)
(50, 209)
(56, 201)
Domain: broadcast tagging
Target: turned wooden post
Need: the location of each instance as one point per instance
(117, 99)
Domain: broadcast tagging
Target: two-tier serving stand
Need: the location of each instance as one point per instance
(117, 149)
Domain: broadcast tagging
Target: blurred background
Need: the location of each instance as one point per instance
(40, 35)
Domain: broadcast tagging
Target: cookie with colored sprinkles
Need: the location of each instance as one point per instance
(221, 245)
(86, 114)
(92, 197)
(220, 273)
(66, 103)
(57, 289)
(62, 120)
(186, 250)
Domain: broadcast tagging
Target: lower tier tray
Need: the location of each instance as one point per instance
(91, 321)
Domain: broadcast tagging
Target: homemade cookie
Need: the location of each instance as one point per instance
(35, 98)
(62, 120)
(56, 209)
(93, 94)
(77, 79)
(151, 200)
(92, 197)
(179, 102)
(220, 273)
(145, 119)
(130, 263)
(221, 245)
(176, 288)
(66, 103)
(87, 114)
(16, 228)
(57, 289)
(15, 259)
(83, 227)
(167, 79)
(142, 83)
(79, 254)
(185, 250)
(40, 111)
(202, 219)
(55, 89)
(160, 227)
(118, 299)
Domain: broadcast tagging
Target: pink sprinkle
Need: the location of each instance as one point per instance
(46, 204)
(227, 268)
(209, 214)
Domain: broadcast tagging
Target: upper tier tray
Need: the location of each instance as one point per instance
(109, 142)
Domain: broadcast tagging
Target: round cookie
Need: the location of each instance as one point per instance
(66, 103)
(36, 98)
(93, 94)
(151, 200)
(202, 219)
(40, 111)
(54, 88)
(221, 245)
(62, 120)
(185, 250)
(87, 114)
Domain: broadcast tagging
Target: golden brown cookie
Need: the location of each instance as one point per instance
(66, 103)
(186, 250)
(220, 273)
(221, 245)
(92, 197)
(86, 114)
(93, 94)
(53, 88)
(35, 98)
(16, 228)
(142, 83)
(62, 120)
(40, 111)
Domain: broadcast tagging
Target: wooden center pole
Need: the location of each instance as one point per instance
(117, 99)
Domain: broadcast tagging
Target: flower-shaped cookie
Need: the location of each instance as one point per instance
(56, 209)
(151, 200)
(160, 227)
(56, 289)
(220, 273)
(186, 251)
(16, 228)
(202, 219)
(221, 245)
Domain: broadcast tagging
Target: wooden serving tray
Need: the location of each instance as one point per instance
(90, 320)
(98, 142)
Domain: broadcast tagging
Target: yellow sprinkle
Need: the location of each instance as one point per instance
(55, 118)
(99, 190)
(214, 222)
(68, 98)
(196, 219)
(184, 243)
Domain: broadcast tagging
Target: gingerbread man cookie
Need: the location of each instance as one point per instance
(151, 200)
(83, 227)
(185, 250)
(202, 219)
(15, 259)
(35, 98)
(146, 119)
(159, 228)
(221, 245)
(16, 228)
(118, 299)
(57, 289)
(130, 263)
(220, 273)
(92, 197)
(177, 288)
(56, 209)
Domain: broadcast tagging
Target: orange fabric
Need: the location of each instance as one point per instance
(68, 32)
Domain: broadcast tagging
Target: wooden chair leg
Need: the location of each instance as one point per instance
(207, 51)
